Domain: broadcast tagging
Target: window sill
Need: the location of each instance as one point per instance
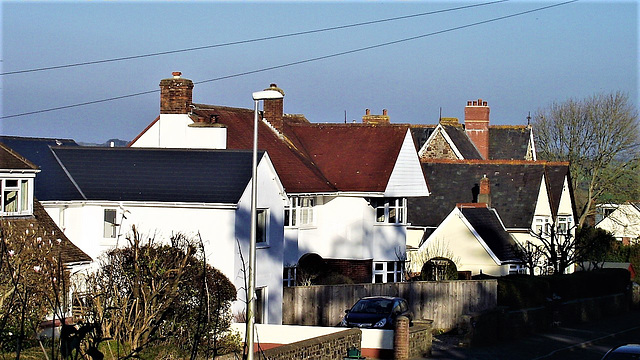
(262, 246)
(389, 224)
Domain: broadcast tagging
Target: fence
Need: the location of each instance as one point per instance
(444, 302)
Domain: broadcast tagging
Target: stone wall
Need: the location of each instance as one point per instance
(420, 338)
(327, 347)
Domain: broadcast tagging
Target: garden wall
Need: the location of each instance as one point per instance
(444, 302)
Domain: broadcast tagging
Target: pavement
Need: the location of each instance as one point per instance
(580, 341)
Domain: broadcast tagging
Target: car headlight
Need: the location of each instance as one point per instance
(380, 323)
(343, 322)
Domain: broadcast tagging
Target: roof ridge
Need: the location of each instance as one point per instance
(496, 162)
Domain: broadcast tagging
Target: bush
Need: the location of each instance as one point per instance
(524, 291)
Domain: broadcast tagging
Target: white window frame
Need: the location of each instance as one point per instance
(390, 210)
(383, 271)
(299, 211)
(517, 269)
(289, 276)
(262, 236)
(564, 224)
(112, 227)
(261, 305)
(23, 191)
(541, 224)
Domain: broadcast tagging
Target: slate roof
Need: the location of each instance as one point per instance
(462, 142)
(505, 142)
(9, 159)
(163, 175)
(312, 158)
(514, 187)
(508, 142)
(487, 223)
(52, 182)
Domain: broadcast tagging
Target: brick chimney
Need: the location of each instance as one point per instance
(274, 110)
(485, 191)
(476, 125)
(375, 119)
(175, 94)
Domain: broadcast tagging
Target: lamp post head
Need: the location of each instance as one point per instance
(267, 95)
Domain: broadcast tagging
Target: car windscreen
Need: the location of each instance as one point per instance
(373, 306)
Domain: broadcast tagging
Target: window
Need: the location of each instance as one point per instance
(289, 276)
(15, 198)
(564, 224)
(299, 211)
(390, 210)
(388, 271)
(541, 225)
(262, 216)
(261, 294)
(516, 269)
(110, 223)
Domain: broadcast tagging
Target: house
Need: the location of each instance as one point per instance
(475, 139)
(476, 238)
(621, 220)
(204, 194)
(20, 211)
(347, 184)
(529, 196)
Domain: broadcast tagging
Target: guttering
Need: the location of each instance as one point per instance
(340, 193)
(20, 171)
(143, 204)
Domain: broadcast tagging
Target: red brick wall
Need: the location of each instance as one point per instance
(175, 95)
(476, 125)
(360, 271)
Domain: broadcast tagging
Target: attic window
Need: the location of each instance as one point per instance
(390, 210)
(16, 197)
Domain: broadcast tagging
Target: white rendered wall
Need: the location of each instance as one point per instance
(453, 236)
(173, 131)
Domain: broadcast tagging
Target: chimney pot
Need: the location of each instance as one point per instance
(176, 74)
(384, 112)
(367, 112)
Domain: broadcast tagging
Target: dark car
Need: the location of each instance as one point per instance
(376, 312)
(624, 352)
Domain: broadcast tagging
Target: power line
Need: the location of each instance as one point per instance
(301, 61)
(273, 37)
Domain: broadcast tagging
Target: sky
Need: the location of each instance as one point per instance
(430, 63)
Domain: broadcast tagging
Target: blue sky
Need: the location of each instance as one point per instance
(517, 64)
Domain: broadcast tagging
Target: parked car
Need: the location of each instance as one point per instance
(376, 312)
(624, 352)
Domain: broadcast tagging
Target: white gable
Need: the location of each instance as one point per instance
(565, 207)
(543, 205)
(407, 178)
(179, 131)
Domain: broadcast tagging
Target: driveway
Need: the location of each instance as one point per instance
(584, 341)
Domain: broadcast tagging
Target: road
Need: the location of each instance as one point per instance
(585, 341)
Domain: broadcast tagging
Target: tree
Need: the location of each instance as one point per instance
(149, 292)
(600, 138)
(33, 282)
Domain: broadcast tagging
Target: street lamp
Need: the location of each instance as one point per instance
(251, 308)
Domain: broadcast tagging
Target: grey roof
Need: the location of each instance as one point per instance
(514, 189)
(487, 223)
(462, 142)
(420, 134)
(509, 142)
(163, 175)
(51, 183)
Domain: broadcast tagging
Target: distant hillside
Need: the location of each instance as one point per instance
(108, 143)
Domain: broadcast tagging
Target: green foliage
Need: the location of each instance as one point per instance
(522, 291)
(593, 244)
(626, 253)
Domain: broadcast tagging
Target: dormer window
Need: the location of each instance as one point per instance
(17, 198)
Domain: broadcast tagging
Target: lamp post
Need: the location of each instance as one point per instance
(251, 308)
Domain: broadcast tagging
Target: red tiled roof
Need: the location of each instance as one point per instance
(354, 157)
(297, 173)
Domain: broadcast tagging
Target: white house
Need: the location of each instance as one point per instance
(622, 220)
(200, 193)
(529, 196)
(347, 184)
